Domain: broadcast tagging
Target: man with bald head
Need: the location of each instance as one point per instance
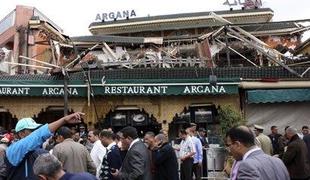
(165, 159)
(296, 156)
(251, 162)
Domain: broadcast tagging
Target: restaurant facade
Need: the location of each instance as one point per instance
(154, 97)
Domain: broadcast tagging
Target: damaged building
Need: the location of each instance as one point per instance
(159, 72)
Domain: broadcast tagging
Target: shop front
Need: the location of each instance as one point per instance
(281, 104)
(148, 104)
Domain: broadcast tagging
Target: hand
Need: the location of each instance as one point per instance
(182, 158)
(73, 118)
(115, 173)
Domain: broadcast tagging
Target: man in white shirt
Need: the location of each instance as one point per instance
(187, 151)
(98, 151)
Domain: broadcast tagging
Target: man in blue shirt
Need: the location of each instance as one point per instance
(197, 164)
(19, 155)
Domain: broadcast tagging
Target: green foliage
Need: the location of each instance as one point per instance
(228, 118)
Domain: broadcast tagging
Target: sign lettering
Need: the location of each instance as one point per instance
(115, 15)
(135, 89)
(59, 91)
(164, 90)
(204, 90)
(14, 91)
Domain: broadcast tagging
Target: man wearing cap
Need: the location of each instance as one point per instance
(19, 155)
(265, 142)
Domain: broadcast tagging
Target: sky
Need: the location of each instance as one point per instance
(74, 17)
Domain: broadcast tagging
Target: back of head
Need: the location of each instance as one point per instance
(242, 134)
(107, 133)
(96, 132)
(150, 133)
(129, 131)
(291, 130)
(46, 164)
(64, 132)
(161, 137)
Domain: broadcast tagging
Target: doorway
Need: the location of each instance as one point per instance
(123, 116)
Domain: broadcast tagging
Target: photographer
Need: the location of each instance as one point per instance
(165, 159)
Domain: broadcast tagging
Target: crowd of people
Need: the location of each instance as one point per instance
(58, 151)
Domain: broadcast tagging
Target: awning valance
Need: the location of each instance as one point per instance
(142, 87)
(278, 95)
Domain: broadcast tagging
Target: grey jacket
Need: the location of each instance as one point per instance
(259, 165)
(74, 157)
(136, 165)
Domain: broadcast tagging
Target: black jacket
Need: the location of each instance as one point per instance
(296, 158)
(136, 165)
(166, 163)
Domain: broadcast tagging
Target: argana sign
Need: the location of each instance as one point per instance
(115, 15)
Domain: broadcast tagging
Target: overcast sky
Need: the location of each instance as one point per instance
(74, 17)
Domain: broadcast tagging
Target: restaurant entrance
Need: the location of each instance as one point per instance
(204, 115)
(123, 116)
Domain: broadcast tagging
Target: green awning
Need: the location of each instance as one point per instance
(278, 95)
(79, 88)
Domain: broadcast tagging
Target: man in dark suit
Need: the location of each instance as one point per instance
(165, 160)
(277, 144)
(136, 165)
(296, 156)
(307, 141)
(251, 162)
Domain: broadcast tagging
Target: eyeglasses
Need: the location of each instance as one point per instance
(229, 144)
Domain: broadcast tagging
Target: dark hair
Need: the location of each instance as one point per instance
(305, 127)
(242, 134)
(96, 132)
(116, 137)
(286, 128)
(129, 131)
(150, 133)
(272, 127)
(192, 124)
(64, 132)
(106, 133)
(182, 131)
